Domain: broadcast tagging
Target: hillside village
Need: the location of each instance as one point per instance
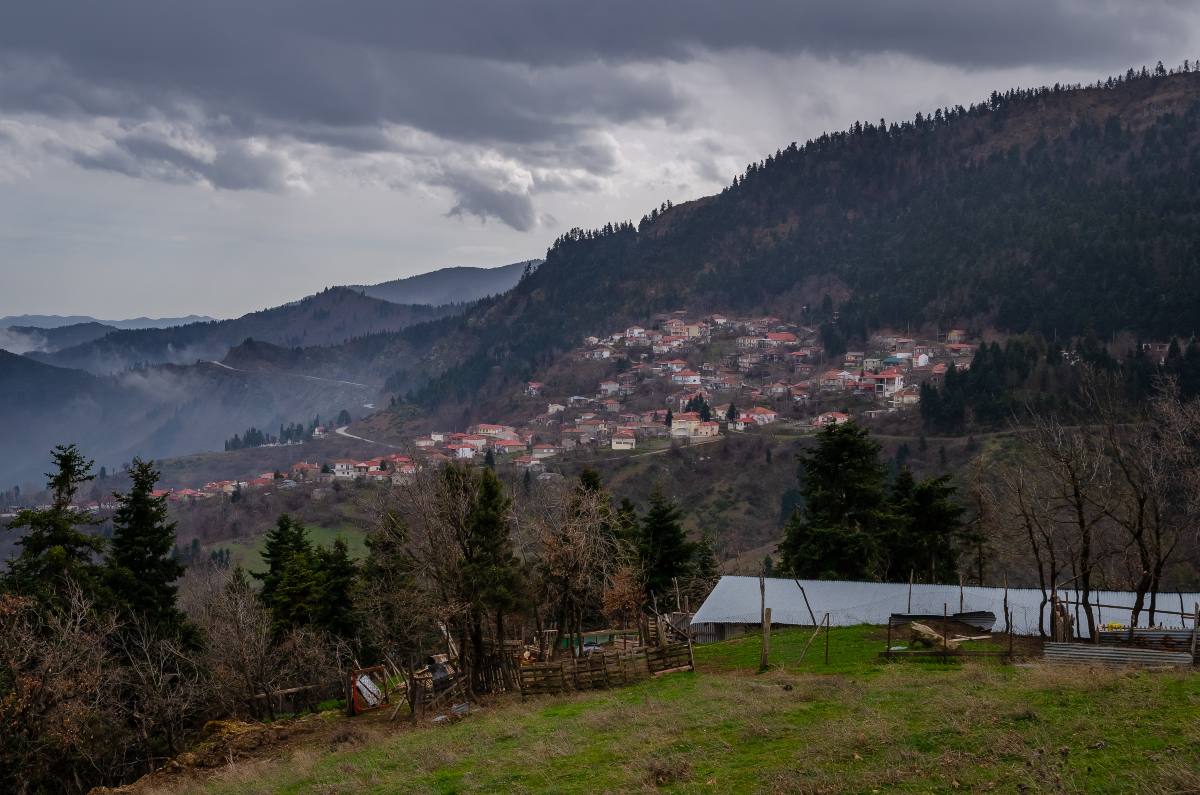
(674, 380)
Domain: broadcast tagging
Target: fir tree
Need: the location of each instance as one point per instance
(286, 539)
(54, 550)
(141, 572)
(835, 534)
(335, 603)
(663, 548)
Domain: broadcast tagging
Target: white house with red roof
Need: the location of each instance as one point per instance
(761, 415)
(462, 452)
(543, 450)
(685, 378)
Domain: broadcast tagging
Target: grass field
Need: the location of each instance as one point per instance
(247, 552)
(856, 725)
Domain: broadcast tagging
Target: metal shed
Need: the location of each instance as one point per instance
(733, 606)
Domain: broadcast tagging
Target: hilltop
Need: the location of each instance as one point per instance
(459, 285)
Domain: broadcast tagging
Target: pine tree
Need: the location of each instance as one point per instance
(836, 532)
(286, 539)
(335, 603)
(663, 548)
(54, 551)
(141, 572)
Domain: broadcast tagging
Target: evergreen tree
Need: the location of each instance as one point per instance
(489, 459)
(669, 418)
(928, 525)
(54, 550)
(286, 539)
(662, 546)
(836, 532)
(731, 413)
(141, 572)
(336, 581)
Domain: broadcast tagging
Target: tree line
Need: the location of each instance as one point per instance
(113, 655)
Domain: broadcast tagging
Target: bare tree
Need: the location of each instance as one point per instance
(59, 722)
(164, 689)
(571, 528)
(1069, 476)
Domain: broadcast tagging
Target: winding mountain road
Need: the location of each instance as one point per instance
(293, 375)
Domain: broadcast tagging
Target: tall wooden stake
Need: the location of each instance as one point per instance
(1007, 623)
(960, 593)
(910, 579)
(766, 644)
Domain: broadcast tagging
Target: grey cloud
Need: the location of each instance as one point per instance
(233, 166)
(484, 198)
(535, 81)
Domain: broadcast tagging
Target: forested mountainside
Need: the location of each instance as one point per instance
(1062, 211)
(327, 318)
(449, 285)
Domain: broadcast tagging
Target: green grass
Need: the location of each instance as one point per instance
(856, 725)
(247, 552)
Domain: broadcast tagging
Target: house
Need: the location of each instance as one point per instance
(461, 451)
(423, 442)
(608, 388)
(343, 468)
(478, 442)
(743, 423)
(530, 463)
(318, 432)
(508, 446)
(872, 363)
(706, 430)
(830, 418)
(494, 431)
(534, 388)
(544, 450)
(854, 359)
(676, 365)
(555, 408)
(761, 415)
(302, 470)
(836, 380)
(624, 440)
(776, 338)
(885, 383)
(908, 396)
(684, 423)
(686, 378)
(611, 405)
(635, 333)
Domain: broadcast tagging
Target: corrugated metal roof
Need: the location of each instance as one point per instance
(735, 600)
(1112, 655)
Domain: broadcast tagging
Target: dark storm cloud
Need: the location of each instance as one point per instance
(534, 80)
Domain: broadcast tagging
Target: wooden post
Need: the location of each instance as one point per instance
(910, 579)
(1195, 629)
(945, 629)
(766, 639)
(1182, 617)
(806, 604)
(827, 639)
(960, 593)
(1007, 622)
(678, 602)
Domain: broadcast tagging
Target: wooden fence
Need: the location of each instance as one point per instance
(603, 670)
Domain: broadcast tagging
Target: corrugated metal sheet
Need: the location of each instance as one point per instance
(735, 600)
(1112, 655)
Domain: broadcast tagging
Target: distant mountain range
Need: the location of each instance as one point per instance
(186, 388)
(57, 321)
(450, 285)
(327, 318)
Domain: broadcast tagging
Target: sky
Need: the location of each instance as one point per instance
(165, 158)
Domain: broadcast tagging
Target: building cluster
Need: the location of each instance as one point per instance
(676, 378)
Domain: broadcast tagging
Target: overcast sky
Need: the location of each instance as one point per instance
(163, 157)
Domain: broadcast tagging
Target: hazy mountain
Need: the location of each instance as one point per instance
(23, 339)
(449, 285)
(57, 321)
(329, 317)
(157, 411)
